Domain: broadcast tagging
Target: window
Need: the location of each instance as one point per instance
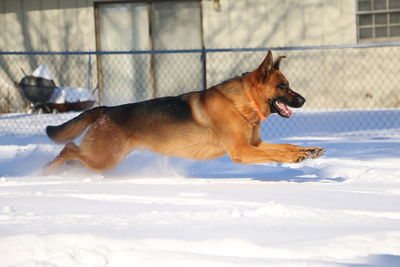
(378, 20)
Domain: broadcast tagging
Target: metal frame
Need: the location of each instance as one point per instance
(373, 24)
(216, 50)
(99, 64)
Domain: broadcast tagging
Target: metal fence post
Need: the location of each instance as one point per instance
(89, 71)
(204, 68)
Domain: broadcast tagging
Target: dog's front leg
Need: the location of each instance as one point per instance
(316, 152)
(249, 154)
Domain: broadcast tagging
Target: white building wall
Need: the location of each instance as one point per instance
(47, 25)
(58, 25)
(271, 23)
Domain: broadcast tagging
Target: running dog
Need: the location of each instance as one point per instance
(223, 119)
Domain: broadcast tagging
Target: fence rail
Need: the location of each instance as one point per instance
(360, 78)
(208, 50)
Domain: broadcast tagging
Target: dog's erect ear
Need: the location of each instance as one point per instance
(275, 65)
(265, 66)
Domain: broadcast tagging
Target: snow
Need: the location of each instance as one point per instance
(71, 95)
(342, 209)
(43, 71)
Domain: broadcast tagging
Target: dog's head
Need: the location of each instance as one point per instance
(271, 85)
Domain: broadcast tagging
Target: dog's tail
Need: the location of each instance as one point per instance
(74, 127)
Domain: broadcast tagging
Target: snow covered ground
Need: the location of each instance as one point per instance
(339, 210)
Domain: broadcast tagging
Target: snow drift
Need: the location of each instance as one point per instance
(342, 209)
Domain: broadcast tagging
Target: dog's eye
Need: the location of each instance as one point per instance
(282, 86)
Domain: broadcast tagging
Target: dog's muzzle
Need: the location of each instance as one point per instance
(281, 104)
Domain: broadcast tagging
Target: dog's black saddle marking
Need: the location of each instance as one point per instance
(164, 107)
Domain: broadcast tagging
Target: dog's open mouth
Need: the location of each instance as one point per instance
(278, 105)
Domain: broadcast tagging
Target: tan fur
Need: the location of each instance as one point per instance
(222, 121)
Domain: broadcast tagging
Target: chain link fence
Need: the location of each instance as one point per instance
(357, 85)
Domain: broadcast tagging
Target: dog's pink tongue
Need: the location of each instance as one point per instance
(289, 112)
(284, 109)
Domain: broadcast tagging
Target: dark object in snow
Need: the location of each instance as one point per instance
(37, 91)
(71, 106)
(44, 96)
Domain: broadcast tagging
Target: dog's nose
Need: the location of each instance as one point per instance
(298, 101)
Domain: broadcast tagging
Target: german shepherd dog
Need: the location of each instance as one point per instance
(223, 119)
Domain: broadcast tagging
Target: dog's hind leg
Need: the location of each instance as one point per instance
(70, 151)
(102, 148)
(87, 156)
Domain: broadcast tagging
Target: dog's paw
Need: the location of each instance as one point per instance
(47, 170)
(318, 152)
(303, 155)
(315, 152)
(50, 168)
